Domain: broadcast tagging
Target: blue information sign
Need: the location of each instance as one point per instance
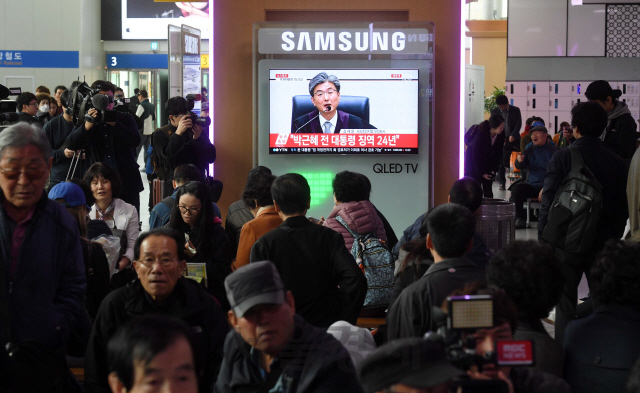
(39, 59)
(132, 60)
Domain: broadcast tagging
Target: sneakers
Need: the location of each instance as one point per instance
(520, 224)
(502, 187)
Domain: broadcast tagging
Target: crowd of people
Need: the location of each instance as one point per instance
(277, 302)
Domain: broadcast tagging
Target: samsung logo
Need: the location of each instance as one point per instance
(346, 41)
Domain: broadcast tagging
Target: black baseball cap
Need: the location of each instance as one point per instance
(253, 284)
(600, 90)
(412, 361)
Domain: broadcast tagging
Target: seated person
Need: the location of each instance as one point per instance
(566, 136)
(505, 316)
(272, 349)
(96, 264)
(602, 347)
(256, 195)
(326, 119)
(204, 239)
(466, 192)
(451, 227)
(312, 260)
(526, 138)
(161, 213)
(408, 365)
(535, 159)
(153, 351)
(353, 208)
(239, 214)
(118, 214)
(527, 127)
(530, 274)
(392, 239)
(160, 289)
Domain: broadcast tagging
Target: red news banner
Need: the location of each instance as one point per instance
(344, 140)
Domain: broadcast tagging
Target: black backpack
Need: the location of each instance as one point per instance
(573, 216)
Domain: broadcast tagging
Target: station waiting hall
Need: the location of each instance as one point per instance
(286, 196)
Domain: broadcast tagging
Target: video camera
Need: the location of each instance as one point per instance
(84, 98)
(8, 108)
(202, 121)
(466, 315)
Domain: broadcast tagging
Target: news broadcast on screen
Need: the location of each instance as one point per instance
(374, 111)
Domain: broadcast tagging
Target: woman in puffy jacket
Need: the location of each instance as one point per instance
(353, 207)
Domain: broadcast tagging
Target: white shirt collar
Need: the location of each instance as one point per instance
(333, 121)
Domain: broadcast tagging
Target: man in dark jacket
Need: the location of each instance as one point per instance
(42, 275)
(57, 130)
(602, 347)
(271, 348)
(529, 273)
(512, 125)
(468, 193)
(181, 142)
(161, 289)
(535, 158)
(451, 227)
(313, 261)
(112, 143)
(27, 106)
(588, 119)
(620, 135)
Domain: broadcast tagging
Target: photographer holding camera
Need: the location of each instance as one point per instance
(182, 141)
(476, 349)
(110, 142)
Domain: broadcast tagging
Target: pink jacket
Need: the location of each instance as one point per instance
(361, 217)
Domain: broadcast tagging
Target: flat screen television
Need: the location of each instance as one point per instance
(148, 20)
(375, 112)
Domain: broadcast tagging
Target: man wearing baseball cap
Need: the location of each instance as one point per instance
(408, 365)
(620, 134)
(271, 348)
(535, 158)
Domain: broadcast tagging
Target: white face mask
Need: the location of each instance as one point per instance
(44, 108)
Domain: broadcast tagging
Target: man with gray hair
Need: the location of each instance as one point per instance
(326, 118)
(42, 276)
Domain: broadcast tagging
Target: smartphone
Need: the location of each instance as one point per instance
(314, 220)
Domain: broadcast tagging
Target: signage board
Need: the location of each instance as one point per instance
(298, 41)
(39, 58)
(137, 60)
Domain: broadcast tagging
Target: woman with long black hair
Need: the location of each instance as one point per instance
(205, 239)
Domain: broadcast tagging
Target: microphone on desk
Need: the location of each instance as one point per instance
(328, 109)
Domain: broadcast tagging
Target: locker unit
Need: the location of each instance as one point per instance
(552, 101)
(559, 89)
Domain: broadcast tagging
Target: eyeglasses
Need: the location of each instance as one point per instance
(30, 173)
(190, 210)
(321, 93)
(34, 104)
(163, 261)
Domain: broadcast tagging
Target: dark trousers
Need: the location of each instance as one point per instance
(487, 191)
(132, 198)
(145, 140)
(572, 265)
(520, 192)
(506, 157)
